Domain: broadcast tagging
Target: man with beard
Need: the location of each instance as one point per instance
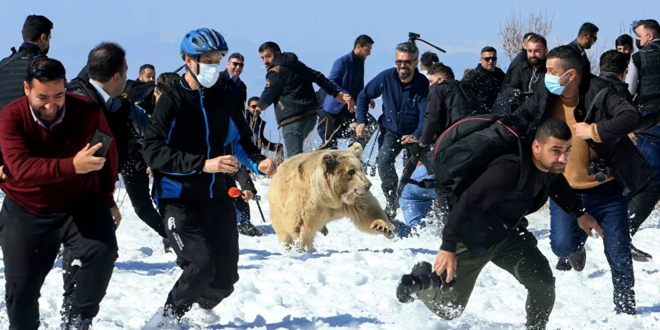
(404, 91)
(488, 224)
(486, 80)
(587, 37)
(519, 59)
(58, 192)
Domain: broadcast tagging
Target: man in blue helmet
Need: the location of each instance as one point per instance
(184, 145)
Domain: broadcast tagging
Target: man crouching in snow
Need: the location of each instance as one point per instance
(488, 224)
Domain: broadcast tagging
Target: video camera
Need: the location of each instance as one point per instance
(413, 37)
(518, 97)
(600, 170)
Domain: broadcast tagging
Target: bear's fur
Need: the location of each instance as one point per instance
(312, 189)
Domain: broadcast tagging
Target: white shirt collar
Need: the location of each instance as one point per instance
(106, 96)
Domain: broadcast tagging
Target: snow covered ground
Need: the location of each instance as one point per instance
(349, 283)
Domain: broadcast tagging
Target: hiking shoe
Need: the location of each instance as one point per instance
(639, 255)
(248, 229)
(563, 265)
(167, 245)
(578, 259)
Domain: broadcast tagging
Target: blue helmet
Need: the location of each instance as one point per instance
(203, 41)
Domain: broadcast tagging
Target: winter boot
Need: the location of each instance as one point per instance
(578, 259)
(248, 229)
(167, 245)
(639, 255)
(79, 323)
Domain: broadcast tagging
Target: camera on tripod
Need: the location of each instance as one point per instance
(600, 170)
(413, 37)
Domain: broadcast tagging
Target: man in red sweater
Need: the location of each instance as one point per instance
(57, 192)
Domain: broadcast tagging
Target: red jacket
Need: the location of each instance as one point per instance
(39, 162)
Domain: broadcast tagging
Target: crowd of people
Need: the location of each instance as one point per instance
(197, 134)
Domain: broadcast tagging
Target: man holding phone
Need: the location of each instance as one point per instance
(58, 192)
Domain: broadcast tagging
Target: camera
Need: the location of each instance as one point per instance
(427, 280)
(518, 97)
(413, 36)
(600, 170)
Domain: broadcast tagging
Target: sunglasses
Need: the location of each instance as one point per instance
(488, 59)
(240, 65)
(594, 37)
(253, 106)
(402, 62)
(48, 74)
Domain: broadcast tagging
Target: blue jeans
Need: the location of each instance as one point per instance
(649, 147)
(609, 207)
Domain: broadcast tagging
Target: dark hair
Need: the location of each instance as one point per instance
(429, 58)
(275, 48)
(146, 66)
(35, 26)
(45, 69)
(363, 40)
(105, 60)
(614, 62)
(536, 39)
(489, 49)
(570, 58)
(651, 24)
(555, 128)
(588, 29)
(624, 40)
(167, 80)
(528, 35)
(409, 48)
(441, 69)
(237, 56)
(254, 98)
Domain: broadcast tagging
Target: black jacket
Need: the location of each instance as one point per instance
(142, 94)
(484, 84)
(289, 87)
(257, 125)
(13, 71)
(586, 64)
(446, 104)
(525, 78)
(127, 137)
(187, 128)
(520, 58)
(496, 203)
(238, 90)
(620, 87)
(614, 117)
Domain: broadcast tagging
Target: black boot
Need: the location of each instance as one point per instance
(167, 245)
(639, 255)
(563, 265)
(392, 206)
(248, 229)
(79, 323)
(578, 259)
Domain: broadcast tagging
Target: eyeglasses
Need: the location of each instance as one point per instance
(402, 62)
(253, 106)
(488, 59)
(240, 65)
(48, 74)
(594, 37)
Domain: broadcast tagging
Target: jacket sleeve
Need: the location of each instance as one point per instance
(491, 187)
(244, 150)
(373, 90)
(110, 171)
(323, 82)
(421, 107)
(274, 87)
(157, 153)
(436, 114)
(18, 159)
(243, 178)
(624, 118)
(339, 69)
(562, 193)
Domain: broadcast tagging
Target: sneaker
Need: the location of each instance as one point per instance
(248, 229)
(167, 245)
(639, 255)
(578, 259)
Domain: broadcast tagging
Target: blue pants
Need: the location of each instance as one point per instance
(643, 204)
(609, 207)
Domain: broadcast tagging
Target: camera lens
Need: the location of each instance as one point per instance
(601, 177)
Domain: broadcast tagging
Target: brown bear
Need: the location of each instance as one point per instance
(312, 189)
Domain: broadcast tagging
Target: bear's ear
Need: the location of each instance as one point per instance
(356, 149)
(329, 163)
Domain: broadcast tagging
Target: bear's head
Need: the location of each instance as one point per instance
(345, 175)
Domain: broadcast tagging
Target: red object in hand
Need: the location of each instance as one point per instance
(235, 192)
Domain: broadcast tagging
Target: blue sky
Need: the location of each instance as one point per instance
(318, 31)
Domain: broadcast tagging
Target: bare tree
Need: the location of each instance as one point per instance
(511, 34)
(594, 54)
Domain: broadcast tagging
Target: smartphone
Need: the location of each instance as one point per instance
(104, 139)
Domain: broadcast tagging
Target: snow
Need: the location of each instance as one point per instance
(350, 282)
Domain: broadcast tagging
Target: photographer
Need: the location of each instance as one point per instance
(488, 224)
(600, 121)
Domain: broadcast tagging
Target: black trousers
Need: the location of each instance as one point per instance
(136, 181)
(30, 243)
(205, 239)
(338, 126)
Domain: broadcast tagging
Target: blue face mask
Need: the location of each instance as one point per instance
(553, 85)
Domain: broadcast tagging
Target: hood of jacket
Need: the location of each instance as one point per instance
(289, 60)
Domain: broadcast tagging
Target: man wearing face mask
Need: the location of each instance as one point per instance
(404, 91)
(600, 121)
(36, 43)
(184, 145)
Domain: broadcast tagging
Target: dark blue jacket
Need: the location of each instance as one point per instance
(403, 109)
(348, 75)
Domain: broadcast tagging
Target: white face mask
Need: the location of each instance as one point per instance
(208, 74)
